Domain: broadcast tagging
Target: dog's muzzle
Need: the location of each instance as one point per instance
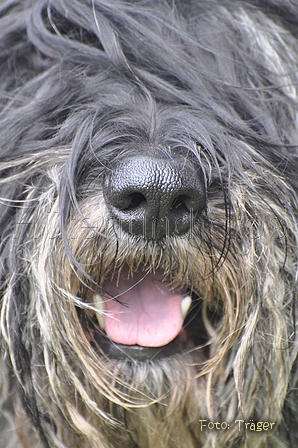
(154, 199)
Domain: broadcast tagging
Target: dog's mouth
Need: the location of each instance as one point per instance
(142, 316)
(141, 310)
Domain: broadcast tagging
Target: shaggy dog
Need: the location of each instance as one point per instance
(148, 223)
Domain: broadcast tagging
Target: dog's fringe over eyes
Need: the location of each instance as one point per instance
(114, 114)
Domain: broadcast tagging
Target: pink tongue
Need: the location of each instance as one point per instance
(150, 314)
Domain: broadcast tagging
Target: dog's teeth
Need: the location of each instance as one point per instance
(185, 305)
(99, 305)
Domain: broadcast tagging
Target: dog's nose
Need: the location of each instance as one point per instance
(155, 197)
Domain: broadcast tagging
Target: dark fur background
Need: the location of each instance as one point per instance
(84, 84)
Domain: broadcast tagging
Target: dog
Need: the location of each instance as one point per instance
(148, 223)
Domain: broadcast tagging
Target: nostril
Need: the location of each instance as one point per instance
(185, 203)
(137, 200)
(179, 204)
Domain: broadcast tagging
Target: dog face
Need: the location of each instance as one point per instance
(148, 223)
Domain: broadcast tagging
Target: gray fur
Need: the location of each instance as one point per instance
(84, 84)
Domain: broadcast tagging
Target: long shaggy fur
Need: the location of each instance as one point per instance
(85, 83)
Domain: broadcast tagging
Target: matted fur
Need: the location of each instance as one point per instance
(88, 82)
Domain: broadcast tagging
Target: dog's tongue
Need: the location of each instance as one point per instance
(149, 314)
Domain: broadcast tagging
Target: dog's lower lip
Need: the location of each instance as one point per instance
(138, 353)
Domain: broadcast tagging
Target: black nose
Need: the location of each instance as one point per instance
(154, 197)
